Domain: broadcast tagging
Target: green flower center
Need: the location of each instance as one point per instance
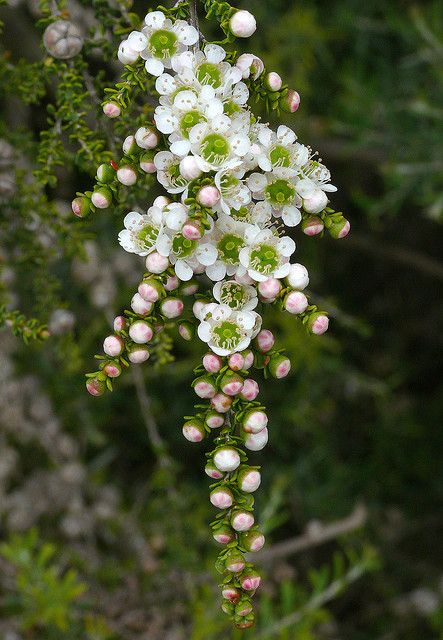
(280, 193)
(147, 237)
(215, 149)
(163, 44)
(189, 120)
(229, 248)
(234, 295)
(226, 335)
(231, 107)
(241, 215)
(182, 247)
(264, 259)
(175, 177)
(229, 184)
(209, 73)
(280, 157)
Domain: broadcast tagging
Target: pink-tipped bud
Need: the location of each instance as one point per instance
(198, 308)
(147, 163)
(242, 24)
(312, 226)
(252, 540)
(273, 81)
(249, 358)
(254, 421)
(193, 430)
(250, 581)
(249, 479)
(81, 206)
(113, 346)
(208, 196)
(192, 230)
(129, 145)
(112, 369)
(171, 307)
(265, 340)
(101, 198)
(212, 471)
(172, 283)
(242, 520)
(214, 420)
(318, 323)
(111, 110)
(246, 623)
(223, 534)
(250, 390)
(221, 403)
(231, 384)
(141, 332)
(151, 290)
(212, 363)
(186, 330)
(231, 593)
(243, 608)
(291, 102)
(119, 323)
(298, 277)
(140, 306)
(189, 168)
(226, 459)
(257, 441)
(316, 202)
(236, 362)
(221, 498)
(95, 387)
(204, 387)
(279, 366)
(235, 562)
(127, 175)
(340, 228)
(189, 288)
(105, 173)
(296, 302)
(269, 289)
(138, 354)
(155, 263)
(147, 137)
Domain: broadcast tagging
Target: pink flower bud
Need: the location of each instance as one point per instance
(147, 163)
(249, 358)
(273, 81)
(81, 206)
(269, 289)
(296, 302)
(105, 173)
(231, 384)
(204, 387)
(340, 229)
(312, 226)
(235, 562)
(316, 202)
(291, 102)
(255, 421)
(249, 65)
(150, 290)
(198, 307)
(186, 330)
(214, 420)
(250, 390)
(226, 459)
(250, 581)
(252, 540)
(189, 288)
(138, 354)
(171, 307)
(224, 534)
(212, 471)
(298, 277)
(147, 137)
(242, 24)
(212, 363)
(194, 431)
(265, 340)
(318, 323)
(249, 479)
(127, 175)
(95, 387)
(113, 346)
(242, 520)
(119, 323)
(101, 198)
(129, 145)
(189, 168)
(112, 369)
(172, 283)
(257, 441)
(140, 306)
(279, 366)
(161, 202)
(246, 623)
(208, 196)
(236, 362)
(155, 263)
(111, 110)
(221, 402)
(231, 593)
(221, 498)
(141, 332)
(243, 608)
(192, 230)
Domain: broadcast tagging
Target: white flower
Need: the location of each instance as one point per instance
(234, 194)
(316, 176)
(278, 190)
(267, 255)
(168, 172)
(175, 215)
(226, 330)
(143, 232)
(280, 149)
(250, 65)
(220, 143)
(236, 296)
(187, 256)
(229, 236)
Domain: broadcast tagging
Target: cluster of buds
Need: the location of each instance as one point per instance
(234, 186)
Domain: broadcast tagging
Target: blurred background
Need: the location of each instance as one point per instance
(103, 506)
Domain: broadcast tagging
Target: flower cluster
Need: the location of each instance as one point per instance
(234, 191)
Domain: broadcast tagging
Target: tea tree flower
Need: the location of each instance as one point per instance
(142, 232)
(227, 331)
(267, 255)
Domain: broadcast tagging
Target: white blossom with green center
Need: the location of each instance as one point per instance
(235, 295)
(221, 143)
(187, 256)
(168, 172)
(229, 236)
(142, 233)
(278, 190)
(227, 330)
(233, 191)
(267, 255)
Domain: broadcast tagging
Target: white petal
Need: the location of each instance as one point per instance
(204, 331)
(264, 163)
(240, 93)
(286, 135)
(185, 100)
(186, 33)
(166, 122)
(240, 145)
(257, 182)
(286, 246)
(282, 271)
(165, 84)
(181, 148)
(197, 133)
(221, 124)
(163, 245)
(183, 270)
(217, 290)
(305, 187)
(163, 160)
(214, 109)
(216, 271)
(265, 136)
(137, 41)
(214, 53)
(155, 19)
(133, 220)
(291, 216)
(244, 257)
(206, 254)
(154, 67)
(176, 218)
